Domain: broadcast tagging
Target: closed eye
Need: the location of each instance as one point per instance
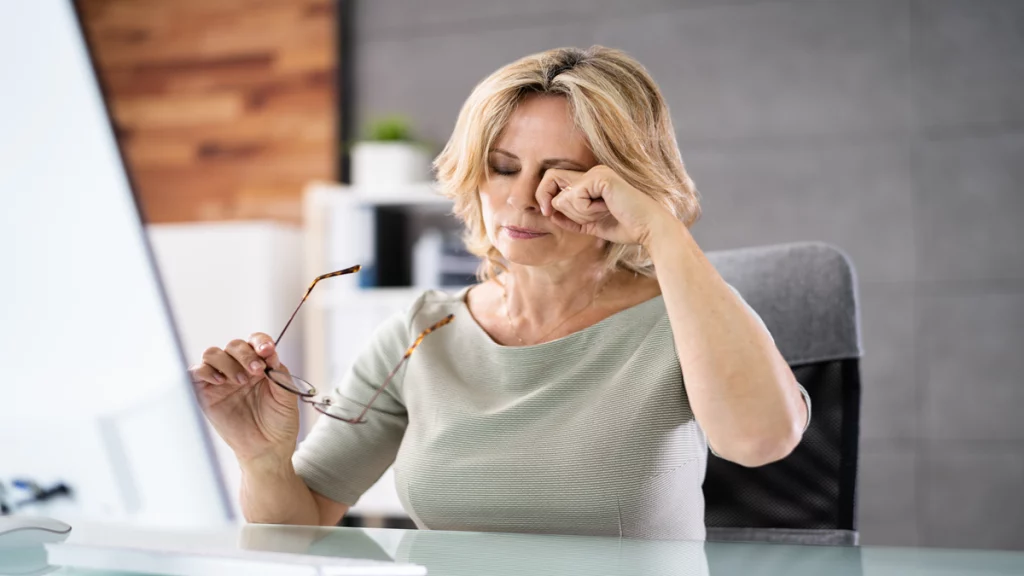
(503, 171)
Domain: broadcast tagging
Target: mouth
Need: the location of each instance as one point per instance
(519, 233)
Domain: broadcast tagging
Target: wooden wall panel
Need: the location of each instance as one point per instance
(225, 108)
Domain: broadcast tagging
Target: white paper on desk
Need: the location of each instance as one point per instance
(173, 562)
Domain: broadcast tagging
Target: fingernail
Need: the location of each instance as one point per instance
(264, 347)
(218, 378)
(243, 379)
(255, 366)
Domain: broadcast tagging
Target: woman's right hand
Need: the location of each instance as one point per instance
(257, 418)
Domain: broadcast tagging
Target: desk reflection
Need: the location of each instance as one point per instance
(475, 553)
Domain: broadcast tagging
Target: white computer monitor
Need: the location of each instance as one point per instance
(93, 386)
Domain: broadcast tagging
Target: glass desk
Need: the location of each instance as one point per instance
(472, 553)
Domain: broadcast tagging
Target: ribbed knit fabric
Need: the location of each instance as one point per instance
(588, 434)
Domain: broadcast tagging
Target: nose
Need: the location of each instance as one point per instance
(523, 195)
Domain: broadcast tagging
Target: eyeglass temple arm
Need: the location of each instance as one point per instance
(394, 370)
(350, 270)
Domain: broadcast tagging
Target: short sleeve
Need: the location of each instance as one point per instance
(341, 460)
(803, 391)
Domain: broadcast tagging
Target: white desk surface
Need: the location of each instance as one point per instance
(473, 553)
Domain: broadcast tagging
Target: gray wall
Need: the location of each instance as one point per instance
(892, 128)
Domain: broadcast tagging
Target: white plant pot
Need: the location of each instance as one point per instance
(377, 164)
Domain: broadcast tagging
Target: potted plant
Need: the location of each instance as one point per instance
(389, 155)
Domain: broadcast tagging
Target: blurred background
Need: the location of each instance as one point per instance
(273, 140)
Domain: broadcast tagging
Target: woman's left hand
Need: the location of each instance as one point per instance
(600, 203)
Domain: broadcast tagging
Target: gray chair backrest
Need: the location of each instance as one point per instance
(804, 292)
(806, 295)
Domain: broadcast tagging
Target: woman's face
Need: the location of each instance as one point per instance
(539, 135)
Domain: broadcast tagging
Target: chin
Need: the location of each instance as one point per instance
(539, 254)
(529, 257)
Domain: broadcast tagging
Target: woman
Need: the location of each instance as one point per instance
(582, 381)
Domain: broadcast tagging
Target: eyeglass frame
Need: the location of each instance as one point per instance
(323, 406)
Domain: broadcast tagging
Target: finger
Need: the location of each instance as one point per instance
(551, 185)
(204, 373)
(226, 365)
(566, 223)
(280, 394)
(581, 203)
(580, 208)
(201, 394)
(264, 347)
(241, 351)
(567, 201)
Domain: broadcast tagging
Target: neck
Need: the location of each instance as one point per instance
(540, 296)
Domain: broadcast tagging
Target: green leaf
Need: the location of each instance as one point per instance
(393, 128)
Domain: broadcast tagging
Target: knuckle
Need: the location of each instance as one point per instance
(237, 344)
(210, 352)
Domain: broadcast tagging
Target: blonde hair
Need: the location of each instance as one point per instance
(616, 105)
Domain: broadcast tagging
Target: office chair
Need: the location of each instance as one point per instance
(806, 295)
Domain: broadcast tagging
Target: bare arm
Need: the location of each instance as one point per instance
(740, 388)
(272, 493)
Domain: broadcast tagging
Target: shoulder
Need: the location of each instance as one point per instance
(391, 337)
(427, 308)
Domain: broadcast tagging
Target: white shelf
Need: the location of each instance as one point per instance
(420, 194)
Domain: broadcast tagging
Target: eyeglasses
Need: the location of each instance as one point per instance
(347, 410)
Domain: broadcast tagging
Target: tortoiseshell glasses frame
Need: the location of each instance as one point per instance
(307, 392)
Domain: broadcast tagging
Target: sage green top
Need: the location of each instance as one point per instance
(588, 434)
